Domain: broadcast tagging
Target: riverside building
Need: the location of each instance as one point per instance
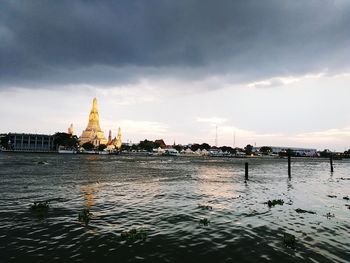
(26, 142)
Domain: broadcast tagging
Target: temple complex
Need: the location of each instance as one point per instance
(116, 143)
(93, 132)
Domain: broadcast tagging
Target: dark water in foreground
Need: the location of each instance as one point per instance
(162, 196)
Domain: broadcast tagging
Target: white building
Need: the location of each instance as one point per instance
(298, 151)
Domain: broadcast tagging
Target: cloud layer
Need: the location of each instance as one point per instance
(52, 43)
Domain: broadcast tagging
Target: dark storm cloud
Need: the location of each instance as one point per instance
(44, 43)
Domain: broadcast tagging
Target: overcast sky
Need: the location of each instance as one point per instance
(270, 72)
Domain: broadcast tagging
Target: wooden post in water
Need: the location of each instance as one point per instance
(289, 167)
(331, 161)
(246, 171)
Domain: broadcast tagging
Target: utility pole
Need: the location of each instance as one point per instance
(216, 137)
(234, 140)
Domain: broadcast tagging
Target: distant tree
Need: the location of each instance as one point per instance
(266, 150)
(148, 145)
(66, 140)
(228, 149)
(291, 153)
(325, 153)
(195, 147)
(248, 149)
(160, 143)
(178, 147)
(101, 147)
(347, 154)
(205, 146)
(4, 141)
(88, 146)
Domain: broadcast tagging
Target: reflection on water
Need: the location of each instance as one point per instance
(162, 196)
(89, 193)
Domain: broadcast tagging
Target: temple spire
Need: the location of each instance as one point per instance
(93, 129)
(94, 105)
(110, 136)
(119, 139)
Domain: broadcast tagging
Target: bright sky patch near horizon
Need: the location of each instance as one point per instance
(270, 72)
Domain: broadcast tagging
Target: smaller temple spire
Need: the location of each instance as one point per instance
(71, 129)
(119, 139)
(110, 136)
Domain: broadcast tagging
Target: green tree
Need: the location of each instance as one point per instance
(88, 146)
(205, 146)
(290, 152)
(266, 150)
(66, 140)
(4, 141)
(101, 147)
(178, 147)
(248, 149)
(325, 153)
(195, 147)
(148, 145)
(228, 149)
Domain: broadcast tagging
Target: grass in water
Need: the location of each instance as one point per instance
(85, 216)
(40, 208)
(274, 202)
(134, 234)
(329, 215)
(205, 207)
(204, 221)
(289, 240)
(301, 211)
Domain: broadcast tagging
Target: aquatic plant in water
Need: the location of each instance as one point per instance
(332, 196)
(329, 215)
(85, 216)
(40, 206)
(205, 207)
(274, 202)
(134, 234)
(302, 211)
(289, 240)
(204, 221)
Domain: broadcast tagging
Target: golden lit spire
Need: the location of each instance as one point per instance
(71, 129)
(93, 129)
(119, 139)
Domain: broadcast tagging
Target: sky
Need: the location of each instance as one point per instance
(263, 72)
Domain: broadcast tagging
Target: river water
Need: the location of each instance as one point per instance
(166, 198)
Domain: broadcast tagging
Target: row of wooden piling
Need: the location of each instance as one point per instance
(289, 167)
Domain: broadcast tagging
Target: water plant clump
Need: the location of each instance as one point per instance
(40, 206)
(205, 207)
(85, 216)
(302, 211)
(274, 202)
(332, 196)
(289, 240)
(204, 221)
(329, 215)
(134, 234)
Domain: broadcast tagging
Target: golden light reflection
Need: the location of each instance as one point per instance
(89, 194)
(216, 183)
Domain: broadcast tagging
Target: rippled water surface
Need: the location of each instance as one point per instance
(166, 198)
